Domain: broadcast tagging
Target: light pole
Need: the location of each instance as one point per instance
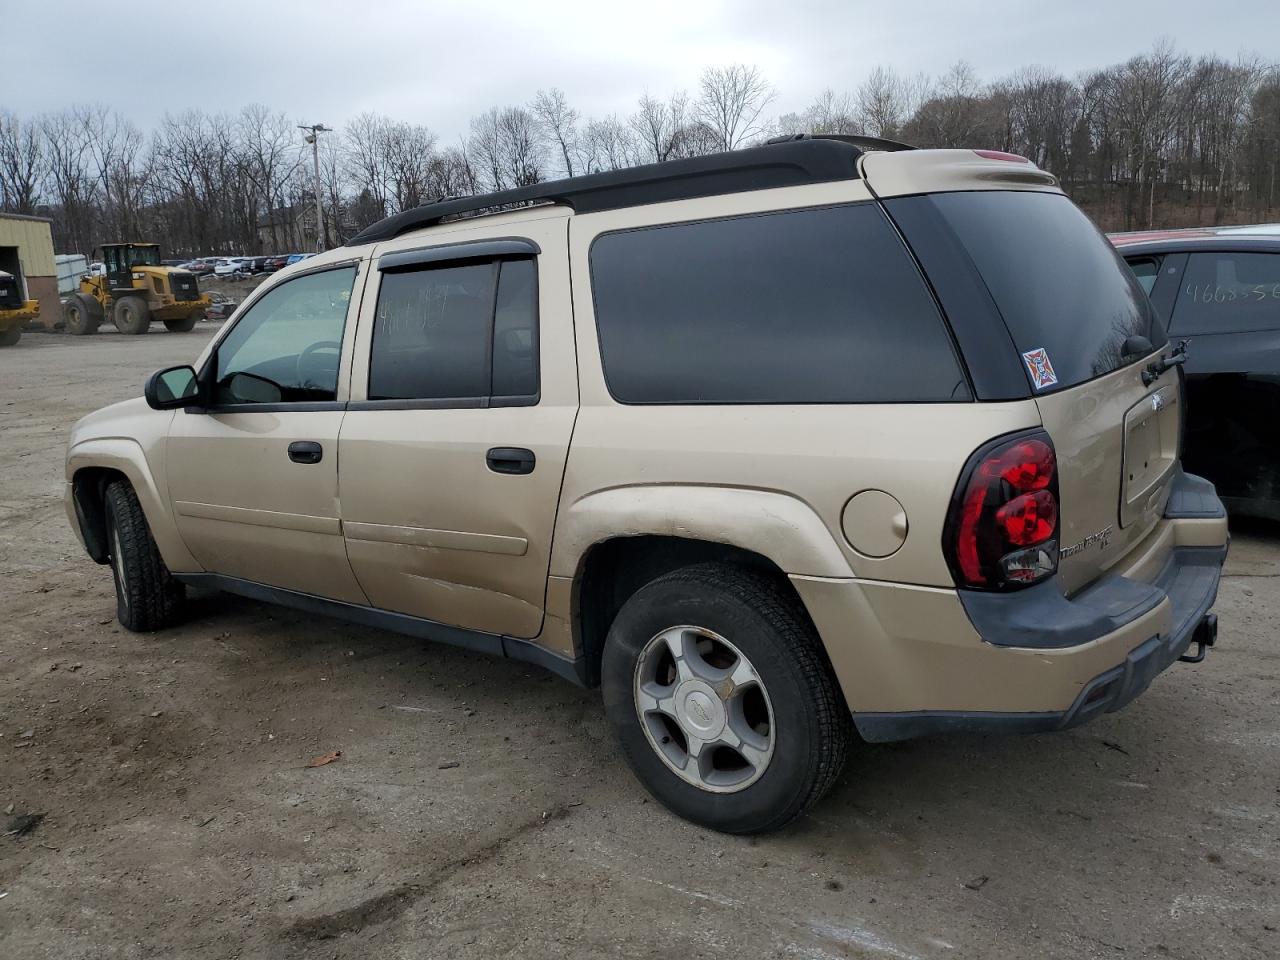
(313, 138)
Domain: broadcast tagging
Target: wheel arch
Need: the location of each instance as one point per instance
(638, 533)
(91, 466)
(612, 570)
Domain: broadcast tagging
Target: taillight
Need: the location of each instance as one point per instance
(1002, 529)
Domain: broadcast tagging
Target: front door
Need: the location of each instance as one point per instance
(453, 448)
(254, 479)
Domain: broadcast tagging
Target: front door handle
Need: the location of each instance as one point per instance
(305, 451)
(513, 460)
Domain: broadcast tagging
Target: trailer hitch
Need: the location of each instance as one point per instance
(1205, 636)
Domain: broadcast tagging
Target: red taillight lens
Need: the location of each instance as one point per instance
(1029, 519)
(1003, 524)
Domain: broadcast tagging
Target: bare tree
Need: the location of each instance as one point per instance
(507, 147)
(559, 124)
(661, 128)
(732, 103)
(22, 164)
(885, 101)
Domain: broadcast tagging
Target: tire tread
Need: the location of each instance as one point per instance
(155, 598)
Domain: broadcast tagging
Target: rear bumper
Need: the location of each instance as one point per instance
(1189, 582)
(915, 661)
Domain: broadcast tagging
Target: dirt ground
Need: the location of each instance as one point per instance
(478, 809)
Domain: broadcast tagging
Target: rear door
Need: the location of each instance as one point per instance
(1083, 331)
(453, 447)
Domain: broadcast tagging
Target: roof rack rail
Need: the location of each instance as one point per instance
(865, 144)
(793, 162)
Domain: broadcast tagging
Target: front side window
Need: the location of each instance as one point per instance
(820, 305)
(456, 332)
(1228, 293)
(286, 347)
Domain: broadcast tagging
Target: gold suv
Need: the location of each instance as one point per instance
(820, 438)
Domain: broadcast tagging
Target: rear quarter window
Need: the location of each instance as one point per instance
(1228, 293)
(1067, 298)
(805, 306)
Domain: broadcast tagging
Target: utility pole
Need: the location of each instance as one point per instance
(313, 138)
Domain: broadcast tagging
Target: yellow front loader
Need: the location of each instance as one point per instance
(14, 310)
(135, 289)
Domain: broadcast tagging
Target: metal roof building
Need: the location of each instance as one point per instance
(26, 251)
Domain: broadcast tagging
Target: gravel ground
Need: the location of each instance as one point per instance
(478, 809)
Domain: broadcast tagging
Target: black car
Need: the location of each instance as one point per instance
(1219, 288)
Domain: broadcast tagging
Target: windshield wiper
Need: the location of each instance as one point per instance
(1156, 367)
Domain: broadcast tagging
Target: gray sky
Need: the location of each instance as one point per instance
(439, 63)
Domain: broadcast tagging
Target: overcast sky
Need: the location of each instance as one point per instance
(439, 63)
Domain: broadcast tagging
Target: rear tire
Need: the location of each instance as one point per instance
(184, 324)
(132, 316)
(82, 314)
(147, 596)
(9, 337)
(744, 636)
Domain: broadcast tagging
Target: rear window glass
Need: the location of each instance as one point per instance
(1229, 293)
(806, 306)
(1068, 299)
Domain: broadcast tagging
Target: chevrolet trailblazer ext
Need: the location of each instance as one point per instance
(824, 436)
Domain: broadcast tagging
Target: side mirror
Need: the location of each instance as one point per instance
(172, 388)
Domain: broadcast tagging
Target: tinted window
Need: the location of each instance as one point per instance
(1058, 283)
(434, 329)
(291, 338)
(808, 306)
(1229, 293)
(515, 331)
(1147, 271)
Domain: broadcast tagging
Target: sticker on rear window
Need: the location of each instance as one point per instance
(1040, 368)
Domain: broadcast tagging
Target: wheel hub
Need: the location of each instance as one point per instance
(700, 709)
(704, 709)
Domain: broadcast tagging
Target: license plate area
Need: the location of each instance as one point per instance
(1150, 451)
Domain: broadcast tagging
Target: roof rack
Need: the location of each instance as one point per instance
(786, 162)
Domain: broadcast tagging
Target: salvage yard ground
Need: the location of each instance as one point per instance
(478, 809)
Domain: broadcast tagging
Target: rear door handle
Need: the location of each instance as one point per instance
(305, 451)
(514, 460)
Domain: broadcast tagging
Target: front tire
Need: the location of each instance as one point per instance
(82, 314)
(723, 700)
(132, 316)
(9, 337)
(147, 596)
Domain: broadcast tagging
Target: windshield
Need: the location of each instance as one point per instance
(1067, 298)
(144, 256)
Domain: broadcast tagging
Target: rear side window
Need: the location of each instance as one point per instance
(461, 332)
(1067, 298)
(1228, 293)
(1147, 271)
(807, 306)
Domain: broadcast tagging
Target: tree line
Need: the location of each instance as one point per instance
(1163, 139)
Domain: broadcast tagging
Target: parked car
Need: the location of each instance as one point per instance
(227, 266)
(775, 445)
(297, 257)
(1219, 288)
(275, 263)
(258, 264)
(202, 266)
